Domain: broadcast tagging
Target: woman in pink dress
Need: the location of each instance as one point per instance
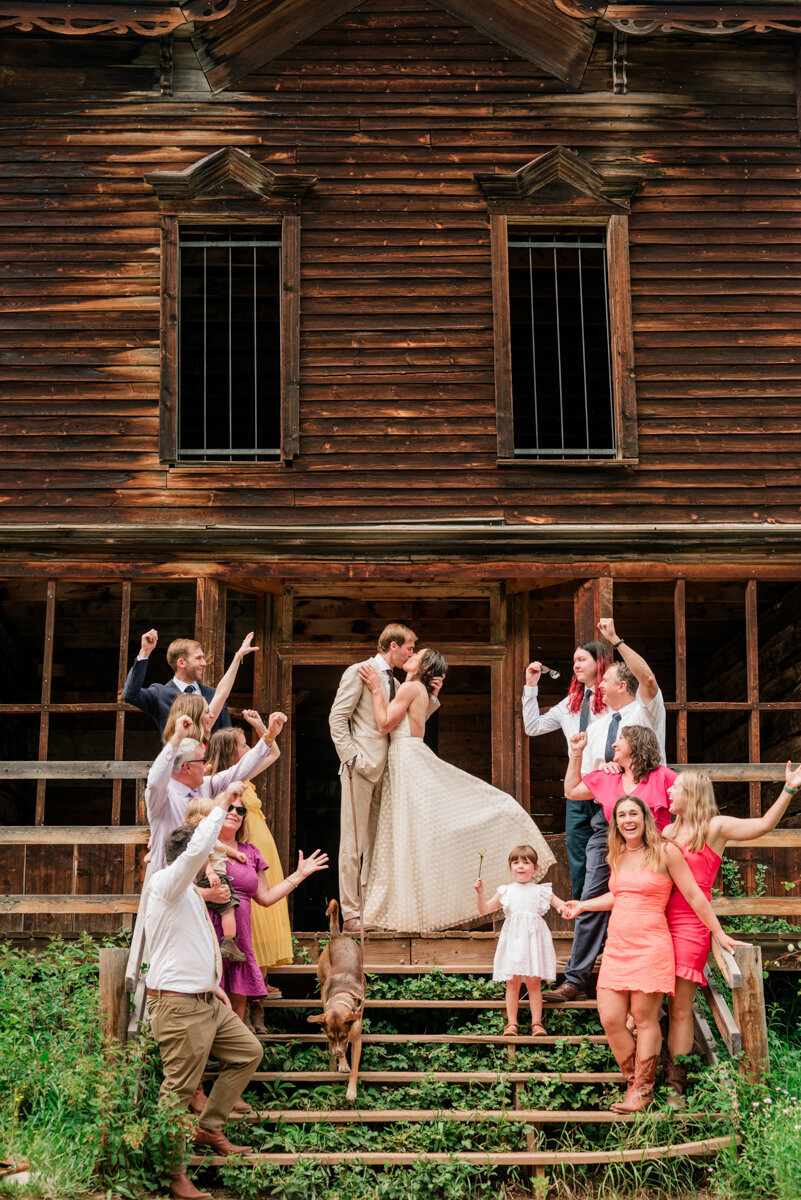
(636, 770)
(638, 966)
(700, 831)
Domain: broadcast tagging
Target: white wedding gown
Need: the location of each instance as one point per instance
(433, 822)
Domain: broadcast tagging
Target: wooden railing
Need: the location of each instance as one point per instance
(122, 835)
(743, 1027)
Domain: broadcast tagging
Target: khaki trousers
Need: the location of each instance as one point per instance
(367, 797)
(187, 1030)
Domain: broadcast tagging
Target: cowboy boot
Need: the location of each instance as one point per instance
(247, 1018)
(257, 1017)
(642, 1092)
(627, 1067)
(675, 1079)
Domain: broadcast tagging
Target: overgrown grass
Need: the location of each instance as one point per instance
(83, 1113)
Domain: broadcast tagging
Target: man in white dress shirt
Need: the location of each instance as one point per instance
(633, 697)
(355, 735)
(580, 708)
(190, 1014)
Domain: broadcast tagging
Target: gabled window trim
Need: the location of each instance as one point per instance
(211, 192)
(522, 197)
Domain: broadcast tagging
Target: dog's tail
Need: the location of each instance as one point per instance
(332, 912)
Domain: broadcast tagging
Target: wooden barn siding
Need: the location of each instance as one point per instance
(395, 106)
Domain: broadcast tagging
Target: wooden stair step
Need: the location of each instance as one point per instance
(425, 1004)
(366, 1077)
(533, 1116)
(540, 1158)
(460, 1039)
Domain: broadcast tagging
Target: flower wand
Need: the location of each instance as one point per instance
(481, 854)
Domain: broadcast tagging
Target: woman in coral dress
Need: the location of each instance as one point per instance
(700, 831)
(270, 927)
(434, 819)
(638, 966)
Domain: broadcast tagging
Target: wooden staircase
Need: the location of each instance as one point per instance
(440, 1083)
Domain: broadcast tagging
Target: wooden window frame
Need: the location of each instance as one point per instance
(289, 333)
(229, 187)
(621, 334)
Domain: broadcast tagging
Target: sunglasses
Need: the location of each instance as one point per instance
(237, 809)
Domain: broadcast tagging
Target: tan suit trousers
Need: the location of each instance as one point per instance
(187, 1030)
(367, 797)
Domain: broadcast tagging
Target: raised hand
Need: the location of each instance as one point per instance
(253, 718)
(369, 676)
(315, 862)
(275, 723)
(436, 685)
(577, 743)
(183, 726)
(533, 672)
(479, 886)
(246, 647)
(792, 777)
(149, 641)
(606, 628)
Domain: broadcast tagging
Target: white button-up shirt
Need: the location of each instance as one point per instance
(557, 717)
(166, 798)
(180, 938)
(651, 715)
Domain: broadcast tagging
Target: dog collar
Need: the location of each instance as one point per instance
(348, 1006)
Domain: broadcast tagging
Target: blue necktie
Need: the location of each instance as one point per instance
(584, 715)
(611, 737)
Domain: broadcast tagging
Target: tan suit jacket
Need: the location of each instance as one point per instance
(353, 727)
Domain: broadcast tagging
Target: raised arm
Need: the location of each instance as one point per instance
(724, 829)
(685, 881)
(634, 661)
(266, 895)
(179, 874)
(387, 716)
(158, 777)
(574, 788)
(257, 758)
(223, 688)
(484, 905)
(534, 724)
(133, 692)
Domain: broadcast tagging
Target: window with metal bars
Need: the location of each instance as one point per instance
(229, 343)
(561, 362)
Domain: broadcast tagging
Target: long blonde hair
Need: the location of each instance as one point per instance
(650, 837)
(188, 704)
(692, 828)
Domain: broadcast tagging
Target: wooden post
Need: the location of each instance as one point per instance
(517, 656)
(210, 625)
(592, 600)
(282, 815)
(680, 642)
(748, 1006)
(114, 1002)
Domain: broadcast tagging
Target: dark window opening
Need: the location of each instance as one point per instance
(562, 390)
(229, 344)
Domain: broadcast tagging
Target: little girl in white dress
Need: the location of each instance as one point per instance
(525, 947)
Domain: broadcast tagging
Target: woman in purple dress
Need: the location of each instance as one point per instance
(243, 981)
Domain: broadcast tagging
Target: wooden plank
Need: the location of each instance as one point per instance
(680, 645)
(210, 624)
(168, 408)
(343, 653)
(779, 839)
(456, 1004)
(74, 835)
(387, 1116)
(502, 336)
(64, 904)
(119, 723)
(462, 1039)
(401, 1077)
(521, 1158)
(727, 1026)
(622, 337)
(727, 965)
(752, 670)
(592, 600)
(290, 337)
(756, 906)
(748, 1006)
(47, 674)
(65, 769)
(114, 999)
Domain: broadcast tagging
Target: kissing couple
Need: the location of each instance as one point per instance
(421, 822)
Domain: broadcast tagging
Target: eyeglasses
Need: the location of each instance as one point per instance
(237, 809)
(550, 671)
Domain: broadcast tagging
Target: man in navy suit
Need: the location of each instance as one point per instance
(187, 660)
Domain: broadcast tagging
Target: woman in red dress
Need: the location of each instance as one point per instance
(700, 831)
(638, 967)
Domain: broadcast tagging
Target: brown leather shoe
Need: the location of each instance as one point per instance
(218, 1142)
(198, 1101)
(352, 926)
(182, 1188)
(242, 1106)
(565, 994)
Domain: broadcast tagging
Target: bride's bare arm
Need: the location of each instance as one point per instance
(387, 716)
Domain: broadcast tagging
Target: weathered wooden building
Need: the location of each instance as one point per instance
(479, 315)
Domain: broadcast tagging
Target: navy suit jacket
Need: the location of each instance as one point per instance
(157, 699)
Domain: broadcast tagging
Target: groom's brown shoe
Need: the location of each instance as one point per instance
(565, 994)
(352, 926)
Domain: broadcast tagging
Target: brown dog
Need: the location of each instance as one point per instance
(341, 974)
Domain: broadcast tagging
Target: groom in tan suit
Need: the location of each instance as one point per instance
(355, 735)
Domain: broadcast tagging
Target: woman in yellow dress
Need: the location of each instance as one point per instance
(272, 934)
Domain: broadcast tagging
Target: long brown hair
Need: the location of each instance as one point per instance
(223, 750)
(430, 666)
(692, 829)
(644, 750)
(650, 837)
(188, 704)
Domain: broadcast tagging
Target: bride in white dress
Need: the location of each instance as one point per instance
(434, 819)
